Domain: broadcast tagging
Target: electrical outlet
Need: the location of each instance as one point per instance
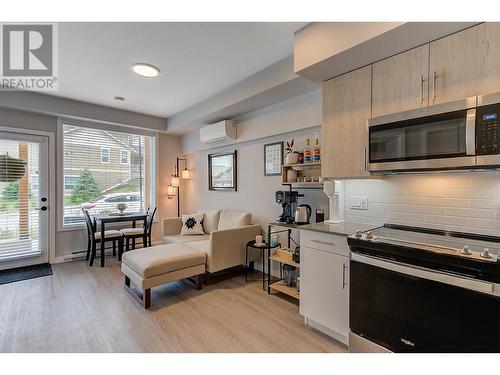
(359, 203)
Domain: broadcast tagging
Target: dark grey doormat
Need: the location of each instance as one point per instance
(25, 273)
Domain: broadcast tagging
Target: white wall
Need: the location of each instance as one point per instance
(463, 202)
(298, 113)
(320, 40)
(297, 118)
(255, 191)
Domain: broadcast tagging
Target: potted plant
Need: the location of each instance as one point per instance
(291, 156)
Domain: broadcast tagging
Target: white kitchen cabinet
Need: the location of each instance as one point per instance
(324, 283)
(465, 64)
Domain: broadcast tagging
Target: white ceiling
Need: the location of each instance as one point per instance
(197, 60)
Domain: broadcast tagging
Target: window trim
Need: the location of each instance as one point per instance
(128, 157)
(59, 176)
(109, 155)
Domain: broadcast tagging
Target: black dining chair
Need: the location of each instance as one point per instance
(94, 238)
(133, 233)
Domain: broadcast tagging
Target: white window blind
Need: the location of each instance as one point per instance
(96, 177)
(19, 198)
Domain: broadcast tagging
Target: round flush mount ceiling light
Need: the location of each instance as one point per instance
(146, 70)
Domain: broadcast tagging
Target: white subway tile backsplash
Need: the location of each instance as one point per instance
(462, 202)
(406, 216)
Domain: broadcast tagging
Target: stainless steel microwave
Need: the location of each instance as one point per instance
(464, 134)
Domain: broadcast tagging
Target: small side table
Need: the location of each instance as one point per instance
(263, 248)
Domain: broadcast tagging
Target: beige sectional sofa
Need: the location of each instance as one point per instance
(224, 241)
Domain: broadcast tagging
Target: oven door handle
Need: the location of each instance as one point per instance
(429, 274)
(470, 132)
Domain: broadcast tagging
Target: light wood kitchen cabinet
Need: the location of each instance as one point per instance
(401, 82)
(465, 64)
(346, 108)
(324, 283)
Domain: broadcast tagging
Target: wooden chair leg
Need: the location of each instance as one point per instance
(133, 243)
(114, 248)
(93, 253)
(127, 239)
(89, 247)
(120, 249)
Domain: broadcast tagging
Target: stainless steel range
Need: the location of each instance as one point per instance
(424, 290)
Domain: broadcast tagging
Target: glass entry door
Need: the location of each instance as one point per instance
(24, 200)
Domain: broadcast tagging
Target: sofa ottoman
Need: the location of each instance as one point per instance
(157, 265)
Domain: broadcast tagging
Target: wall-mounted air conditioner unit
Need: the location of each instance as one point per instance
(219, 132)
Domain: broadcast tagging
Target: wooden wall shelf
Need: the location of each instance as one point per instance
(310, 171)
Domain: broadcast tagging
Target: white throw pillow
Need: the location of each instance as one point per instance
(211, 220)
(234, 219)
(192, 224)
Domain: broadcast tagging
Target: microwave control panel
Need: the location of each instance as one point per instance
(487, 130)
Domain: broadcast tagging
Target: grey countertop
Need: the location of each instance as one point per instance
(340, 229)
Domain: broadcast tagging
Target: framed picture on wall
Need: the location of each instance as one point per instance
(273, 158)
(222, 171)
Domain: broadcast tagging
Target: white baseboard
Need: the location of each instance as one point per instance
(58, 260)
(79, 254)
(327, 331)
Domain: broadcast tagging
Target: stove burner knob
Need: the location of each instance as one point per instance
(486, 253)
(369, 236)
(358, 234)
(466, 250)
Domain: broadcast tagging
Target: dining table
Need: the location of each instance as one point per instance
(108, 218)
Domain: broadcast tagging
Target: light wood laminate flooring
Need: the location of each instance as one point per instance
(84, 309)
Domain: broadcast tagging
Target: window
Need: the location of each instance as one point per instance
(105, 155)
(124, 157)
(35, 183)
(95, 180)
(70, 182)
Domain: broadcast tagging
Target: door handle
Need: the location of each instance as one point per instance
(344, 267)
(434, 80)
(422, 88)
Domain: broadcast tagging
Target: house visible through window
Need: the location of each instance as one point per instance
(70, 182)
(105, 155)
(104, 168)
(124, 157)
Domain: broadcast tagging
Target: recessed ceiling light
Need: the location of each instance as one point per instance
(119, 98)
(146, 70)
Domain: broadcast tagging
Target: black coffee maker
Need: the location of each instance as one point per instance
(288, 202)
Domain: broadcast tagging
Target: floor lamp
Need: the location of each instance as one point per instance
(175, 181)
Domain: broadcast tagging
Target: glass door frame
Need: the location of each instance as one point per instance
(48, 142)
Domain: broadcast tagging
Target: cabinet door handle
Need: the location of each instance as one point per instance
(323, 242)
(422, 89)
(434, 80)
(344, 267)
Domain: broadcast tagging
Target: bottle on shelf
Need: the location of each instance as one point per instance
(307, 152)
(317, 152)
